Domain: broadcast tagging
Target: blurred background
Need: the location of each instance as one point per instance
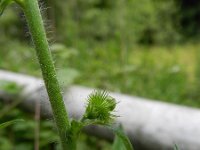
(146, 48)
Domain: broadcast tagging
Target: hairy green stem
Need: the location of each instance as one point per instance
(36, 27)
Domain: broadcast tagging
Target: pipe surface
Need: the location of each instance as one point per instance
(150, 125)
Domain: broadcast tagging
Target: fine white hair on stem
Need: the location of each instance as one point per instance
(53, 41)
(47, 22)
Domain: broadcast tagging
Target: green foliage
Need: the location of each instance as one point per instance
(188, 18)
(120, 21)
(150, 22)
(121, 141)
(20, 135)
(84, 17)
(10, 87)
(8, 123)
(12, 90)
(152, 72)
(169, 79)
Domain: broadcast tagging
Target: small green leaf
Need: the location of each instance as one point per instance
(5, 124)
(121, 142)
(118, 144)
(176, 147)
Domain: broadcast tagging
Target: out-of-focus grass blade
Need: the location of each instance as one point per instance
(121, 141)
(5, 124)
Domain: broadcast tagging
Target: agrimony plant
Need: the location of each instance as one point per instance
(100, 104)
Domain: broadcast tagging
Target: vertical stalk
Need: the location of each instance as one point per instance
(36, 27)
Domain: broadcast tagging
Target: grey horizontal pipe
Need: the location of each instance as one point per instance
(150, 125)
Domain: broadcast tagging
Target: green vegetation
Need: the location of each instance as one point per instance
(100, 105)
(21, 135)
(146, 49)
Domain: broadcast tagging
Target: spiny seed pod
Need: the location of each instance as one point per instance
(100, 106)
(112, 103)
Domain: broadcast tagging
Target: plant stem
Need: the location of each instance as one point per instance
(36, 27)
